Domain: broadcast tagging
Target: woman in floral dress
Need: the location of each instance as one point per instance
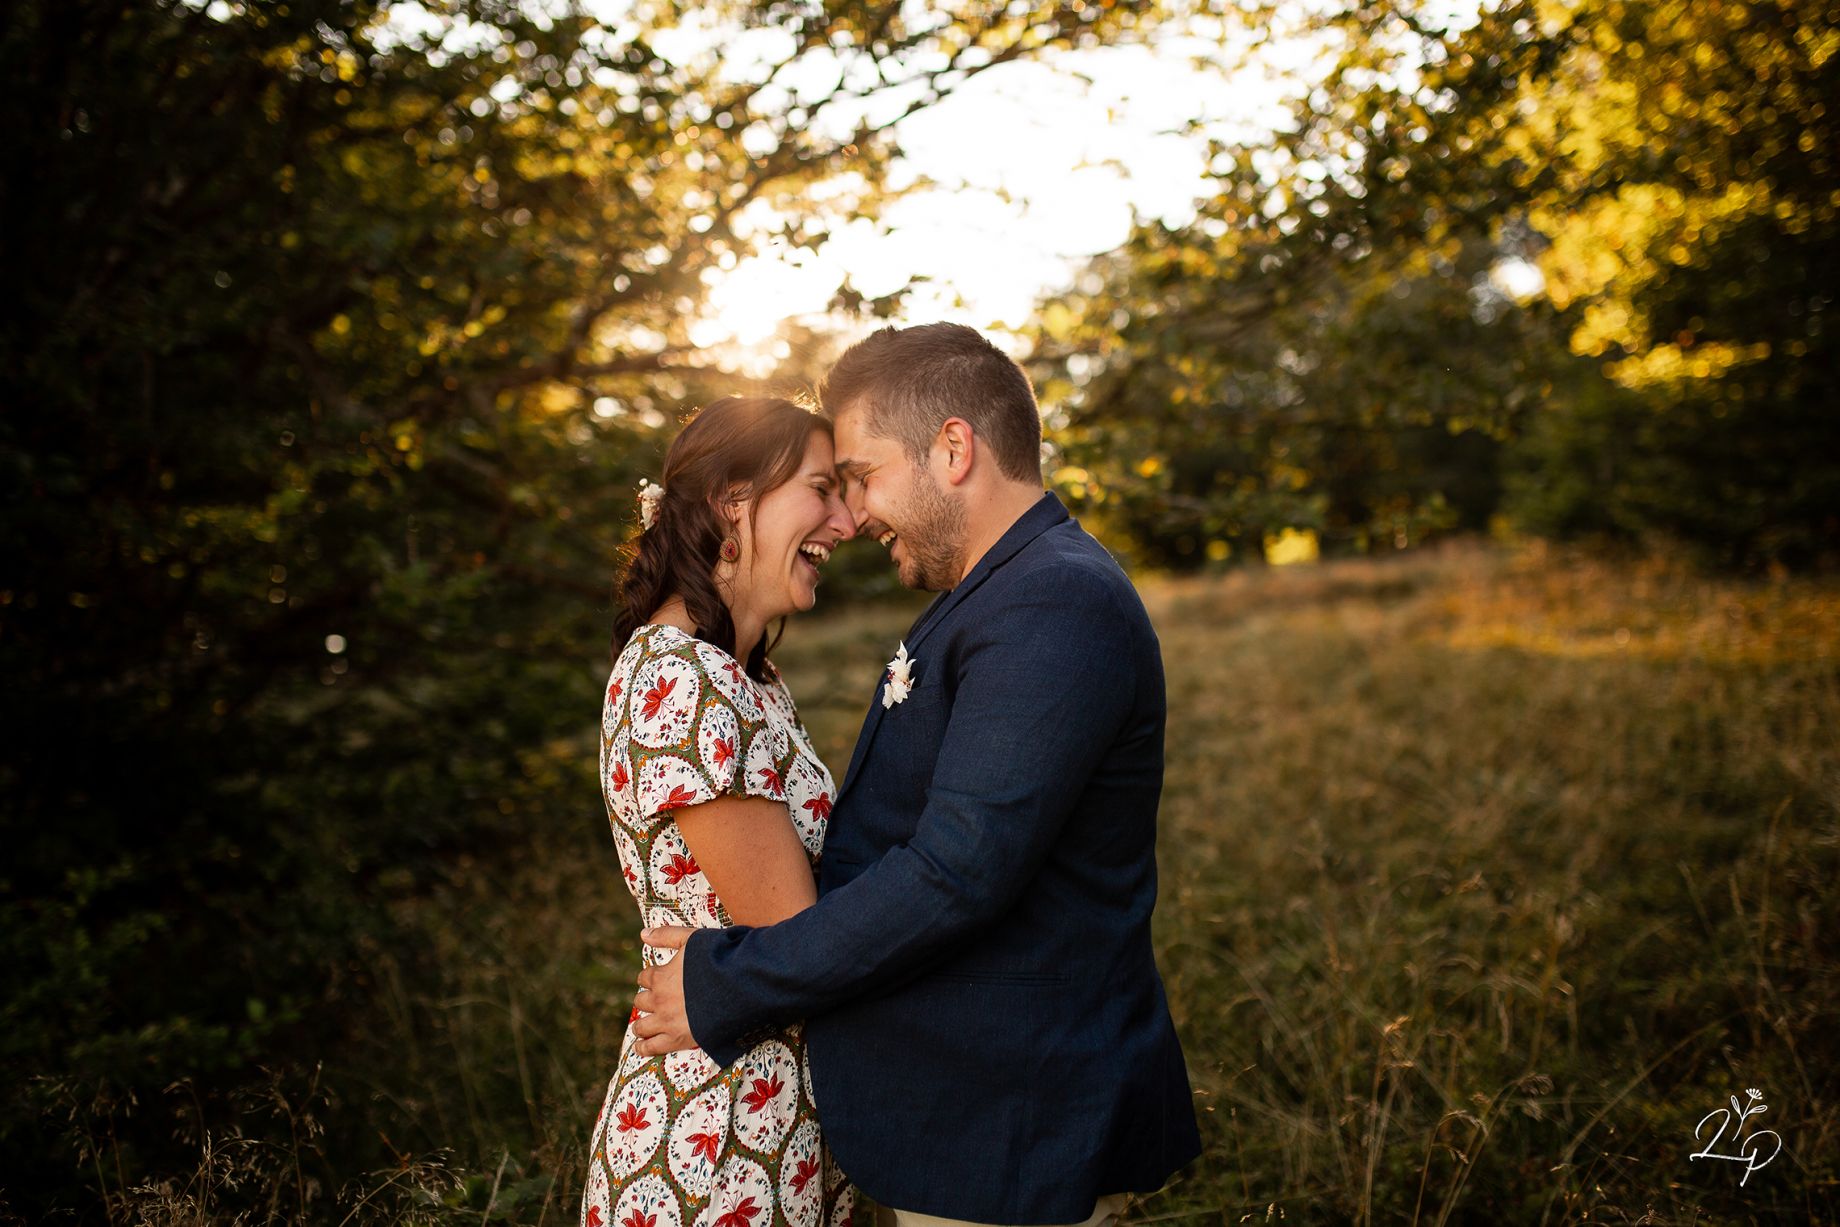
(718, 804)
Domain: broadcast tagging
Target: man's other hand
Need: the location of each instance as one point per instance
(662, 1025)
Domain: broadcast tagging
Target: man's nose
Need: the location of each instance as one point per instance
(859, 515)
(844, 521)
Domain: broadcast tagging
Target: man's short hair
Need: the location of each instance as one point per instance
(910, 380)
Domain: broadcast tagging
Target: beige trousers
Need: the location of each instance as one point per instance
(1105, 1213)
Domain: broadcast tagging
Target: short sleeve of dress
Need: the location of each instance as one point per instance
(699, 732)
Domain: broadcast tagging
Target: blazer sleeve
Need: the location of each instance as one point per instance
(1046, 684)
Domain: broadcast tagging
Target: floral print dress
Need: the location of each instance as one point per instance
(680, 1141)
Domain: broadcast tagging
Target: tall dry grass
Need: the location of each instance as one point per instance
(1485, 876)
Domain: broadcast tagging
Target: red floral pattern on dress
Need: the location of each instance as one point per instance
(655, 697)
(742, 1215)
(765, 1091)
(680, 1141)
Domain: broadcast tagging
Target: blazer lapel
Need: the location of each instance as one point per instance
(873, 718)
(1045, 514)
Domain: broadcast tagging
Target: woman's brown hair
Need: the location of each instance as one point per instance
(755, 443)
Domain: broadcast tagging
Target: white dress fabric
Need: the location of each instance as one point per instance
(681, 1142)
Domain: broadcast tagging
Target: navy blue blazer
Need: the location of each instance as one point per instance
(987, 1032)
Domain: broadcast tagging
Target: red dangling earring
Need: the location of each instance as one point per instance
(731, 549)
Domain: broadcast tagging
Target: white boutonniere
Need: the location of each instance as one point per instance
(900, 678)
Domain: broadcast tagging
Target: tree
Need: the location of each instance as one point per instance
(1694, 239)
(1682, 218)
(344, 330)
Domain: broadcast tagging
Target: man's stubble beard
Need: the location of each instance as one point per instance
(934, 539)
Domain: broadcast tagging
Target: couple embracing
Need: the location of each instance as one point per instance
(935, 985)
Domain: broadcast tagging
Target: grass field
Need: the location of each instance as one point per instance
(1485, 877)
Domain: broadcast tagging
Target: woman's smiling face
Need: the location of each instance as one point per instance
(790, 534)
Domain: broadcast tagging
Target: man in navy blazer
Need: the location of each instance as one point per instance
(988, 1035)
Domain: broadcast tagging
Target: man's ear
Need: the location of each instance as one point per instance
(956, 446)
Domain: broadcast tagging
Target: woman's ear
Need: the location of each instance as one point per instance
(728, 507)
(734, 513)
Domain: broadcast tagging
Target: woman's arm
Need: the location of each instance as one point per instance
(751, 854)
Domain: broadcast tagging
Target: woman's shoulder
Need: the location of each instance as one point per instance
(643, 646)
(668, 640)
(666, 650)
(652, 640)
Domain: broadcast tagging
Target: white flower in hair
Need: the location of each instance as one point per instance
(650, 495)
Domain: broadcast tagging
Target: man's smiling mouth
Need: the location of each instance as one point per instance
(887, 538)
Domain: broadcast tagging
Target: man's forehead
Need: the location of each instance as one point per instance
(853, 443)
